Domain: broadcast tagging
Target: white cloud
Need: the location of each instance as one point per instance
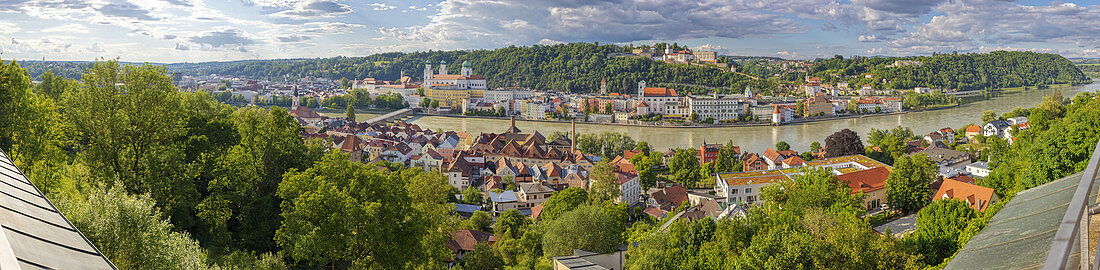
(8, 28)
(71, 28)
(870, 38)
(381, 6)
(315, 9)
(714, 48)
(484, 23)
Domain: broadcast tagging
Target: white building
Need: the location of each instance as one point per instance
(657, 97)
(720, 109)
(502, 95)
(534, 110)
(465, 80)
(979, 169)
(630, 190)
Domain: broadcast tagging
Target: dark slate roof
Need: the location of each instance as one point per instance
(577, 263)
(33, 234)
(1020, 235)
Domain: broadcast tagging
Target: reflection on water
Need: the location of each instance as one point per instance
(757, 139)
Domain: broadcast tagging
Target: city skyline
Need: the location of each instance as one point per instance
(209, 30)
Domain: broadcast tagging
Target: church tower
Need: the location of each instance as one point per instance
(467, 69)
(603, 86)
(427, 72)
(443, 67)
(641, 88)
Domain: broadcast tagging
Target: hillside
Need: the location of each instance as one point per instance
(954, 71)
(576, 67)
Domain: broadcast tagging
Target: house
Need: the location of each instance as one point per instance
(945, 135)
(667, 199)
(946, 157)
(977, 197)
(630, 188)
(870, 182)
(533, 193)
(772, 158)
(753, 162)
(1019, 120)
(709, 152)
(995, 128)
(792, 162)
(429, 161)
(464, 211)
(588, 260)
(744, 190)
(460, 173)
(973, 130)
(979, 169)
(463, 241)
(503, 201)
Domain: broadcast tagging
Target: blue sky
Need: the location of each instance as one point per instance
(219, 30)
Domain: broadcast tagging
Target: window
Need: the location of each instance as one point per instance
(733, 191)
(748, 190)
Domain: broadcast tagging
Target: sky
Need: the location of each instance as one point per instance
(169, 31)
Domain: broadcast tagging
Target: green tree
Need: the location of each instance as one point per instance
(351, 113)
(242, 208)
(587, 228)
(472, 196)
(340, 212)
(479, 221)
(510, 224)
(644, 147)
(939, 226)
(908, 188)
(782, 146)
(129, 119)
(563, 201)
(647, 176)
(685, 168)
(988, 116)
(605, 186)
(130, 231)
(482, 258)
(814, 146)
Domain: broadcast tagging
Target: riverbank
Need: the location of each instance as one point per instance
(753, 124)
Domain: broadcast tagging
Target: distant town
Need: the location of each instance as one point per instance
(466, 94)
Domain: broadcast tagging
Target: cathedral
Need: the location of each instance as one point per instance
(465, 80)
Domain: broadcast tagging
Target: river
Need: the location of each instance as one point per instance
(759, 138)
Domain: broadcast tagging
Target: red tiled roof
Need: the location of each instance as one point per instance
(466, 240)
(659, 92)
(866, 180)
(977, 197)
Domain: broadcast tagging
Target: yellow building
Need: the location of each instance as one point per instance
(818, 105)
(449, 96)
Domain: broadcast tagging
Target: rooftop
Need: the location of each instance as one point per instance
(33, 234)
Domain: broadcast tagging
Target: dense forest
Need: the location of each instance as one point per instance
(971, 71)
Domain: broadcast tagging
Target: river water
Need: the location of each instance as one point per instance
(759, 138)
